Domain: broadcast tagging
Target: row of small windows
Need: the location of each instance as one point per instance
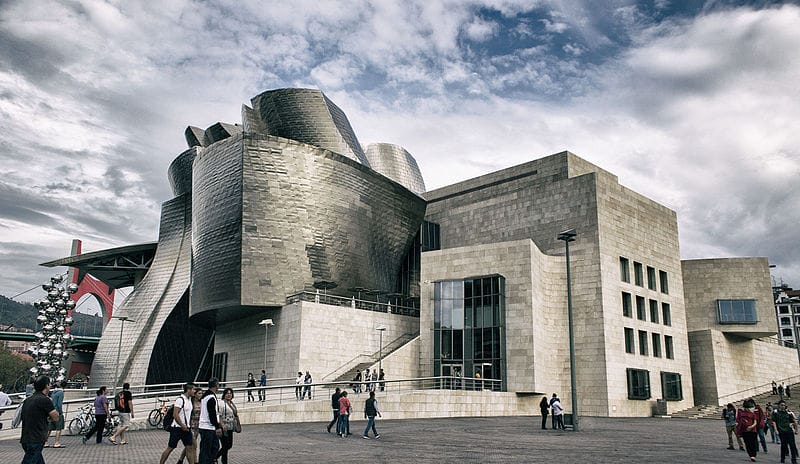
(639, 385)
(785, 309)
(642, 309)
(639, 274)
(644, 345)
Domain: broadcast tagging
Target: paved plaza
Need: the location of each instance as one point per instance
(463, 440)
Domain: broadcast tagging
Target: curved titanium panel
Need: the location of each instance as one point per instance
(180, 172)
(394, 162)
(217, 227)
(151, 303)
(308, 116)
(272, 217)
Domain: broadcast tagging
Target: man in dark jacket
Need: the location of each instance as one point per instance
(787, 429)
(335, 406)
(35, 411)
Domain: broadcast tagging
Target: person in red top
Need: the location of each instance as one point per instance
(747, 427)
(344, 415)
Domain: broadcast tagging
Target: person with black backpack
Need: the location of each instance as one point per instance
(178, 419)
(123, 403)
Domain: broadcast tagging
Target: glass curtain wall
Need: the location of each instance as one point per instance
(469, 329)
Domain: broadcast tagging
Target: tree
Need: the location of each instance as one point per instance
(14, 374)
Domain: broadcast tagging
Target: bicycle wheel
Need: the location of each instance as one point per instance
(75, 426)
(155, 418)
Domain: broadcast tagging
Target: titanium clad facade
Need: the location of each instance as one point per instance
(180, 172)
(394, 162)
(308, 116)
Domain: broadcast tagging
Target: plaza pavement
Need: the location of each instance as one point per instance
(461, 440)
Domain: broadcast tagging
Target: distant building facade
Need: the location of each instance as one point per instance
(787, 306)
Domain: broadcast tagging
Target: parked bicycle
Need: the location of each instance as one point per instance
(156, 416)
(83, 422)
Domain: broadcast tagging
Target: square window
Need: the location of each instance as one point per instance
(653, 311)
(638, 384)
(624, 269)
(641, 310)
(668, 347)
(643, 343)
(666, 313)
(638, 274)
(627, 305)
(629, 342)
(651, 278)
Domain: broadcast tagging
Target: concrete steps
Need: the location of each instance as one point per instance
(715, 412)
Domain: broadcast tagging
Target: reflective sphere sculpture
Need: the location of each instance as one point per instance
(55, 317)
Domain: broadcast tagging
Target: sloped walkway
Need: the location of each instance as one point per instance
(715, 412)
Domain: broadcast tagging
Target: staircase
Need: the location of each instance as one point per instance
(715, 412)
(347, 371)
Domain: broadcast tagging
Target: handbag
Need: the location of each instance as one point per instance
(237, 426)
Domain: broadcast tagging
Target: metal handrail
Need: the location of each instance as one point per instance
(756, 390)
(352, 302)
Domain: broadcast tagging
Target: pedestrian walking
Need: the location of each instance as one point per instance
(544, 406)
(194, 423)
(382, 380)
(747, 427)
(780, 391)
(729, 416)
(228, 415)
(57, 397)
(787, 429)
(251, 383)
(36, 409)
(788, 391)
(262, 382)
(210, 426)
(370, 410)
(761, 428)
(335, 406)
(124, 406)
(101, 412)
(774, 388)
(298, 389)
(180, 430)
(345, 408)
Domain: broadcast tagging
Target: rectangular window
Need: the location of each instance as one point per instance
(671, 387)
(737, 311)
(627, 305)
(666, 313)
(664, 280)
(786, 320)
(653, 311)
(651, 278)
(629, 343)
(624, 269)
(786, 332)
(668, 347)
(638, 274)
(656, 345)
(783, 309)
(638, 384)
(643, 343)
(219, 366)
(641, 310)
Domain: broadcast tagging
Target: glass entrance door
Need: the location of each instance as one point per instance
(452, 370)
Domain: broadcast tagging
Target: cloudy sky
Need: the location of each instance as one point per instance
(694, 104)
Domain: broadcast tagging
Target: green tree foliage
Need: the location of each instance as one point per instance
(13, 370)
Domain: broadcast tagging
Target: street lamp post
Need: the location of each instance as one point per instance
(122, 320)
(380, 329)
(266, 323)
(569, 236)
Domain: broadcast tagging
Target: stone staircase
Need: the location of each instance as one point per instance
(369, 360)
(705, 411)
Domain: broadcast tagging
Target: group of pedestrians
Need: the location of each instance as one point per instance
(781, 390)
(303, 385)
(750, 423)
(553, 404)
(370, 380)
(202, 422)
(343, 408)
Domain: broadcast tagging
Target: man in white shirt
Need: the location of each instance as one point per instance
(182, 420)
(210, 426)
(4, 401)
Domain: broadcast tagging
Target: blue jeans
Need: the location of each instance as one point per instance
(33, 453)
(209, 446)
(370, 424)
(762, 437)
(344, 424)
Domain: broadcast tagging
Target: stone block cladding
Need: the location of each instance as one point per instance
(308, 336)
(725, 365)
(642, 231)
(707, 280)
